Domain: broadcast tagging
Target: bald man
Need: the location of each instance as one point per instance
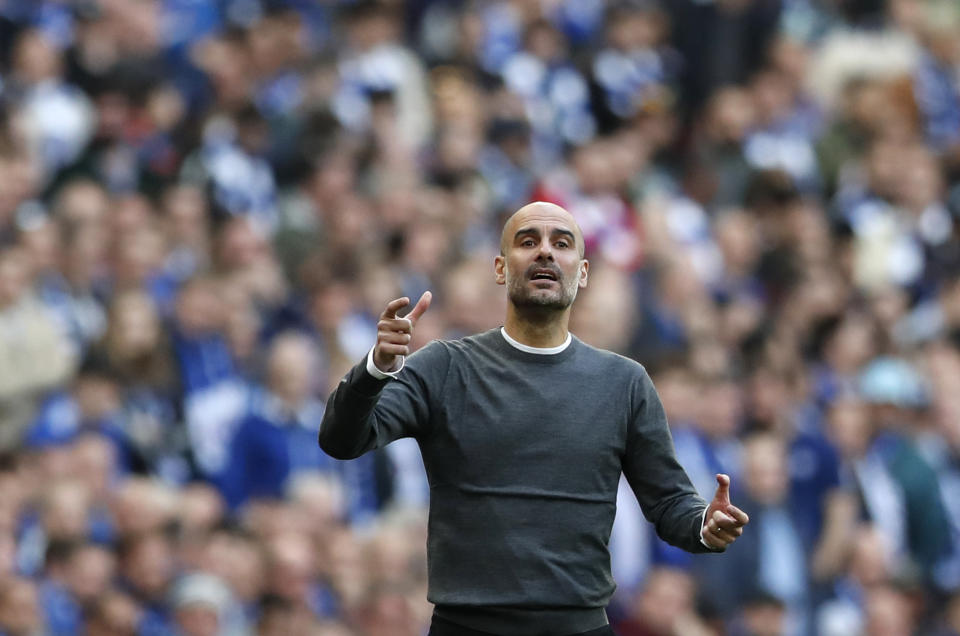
(525, 431)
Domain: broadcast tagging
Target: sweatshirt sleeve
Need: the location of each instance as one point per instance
(365, 412)
(662, 487)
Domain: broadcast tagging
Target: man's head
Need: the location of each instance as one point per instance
(541, 258)
(291, 366)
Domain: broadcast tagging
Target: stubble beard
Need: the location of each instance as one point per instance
(537, 301)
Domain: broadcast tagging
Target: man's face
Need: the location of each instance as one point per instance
(541, 262)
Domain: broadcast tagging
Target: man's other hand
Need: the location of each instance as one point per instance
(723, 522)
(394, 334)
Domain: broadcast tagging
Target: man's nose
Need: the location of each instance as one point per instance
(546, 251)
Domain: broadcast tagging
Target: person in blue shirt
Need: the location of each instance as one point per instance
(275, 440)
(76, 572)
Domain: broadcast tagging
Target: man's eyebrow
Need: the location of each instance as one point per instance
(530, 231)
(526, 231)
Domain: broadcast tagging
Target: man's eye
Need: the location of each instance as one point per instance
(527, 243)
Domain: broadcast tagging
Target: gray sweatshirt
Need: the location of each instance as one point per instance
(523, 454)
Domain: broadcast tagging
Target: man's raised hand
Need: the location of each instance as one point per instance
(394, 334)
(723, 522)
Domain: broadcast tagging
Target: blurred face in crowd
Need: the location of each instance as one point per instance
(276, 41)
(595, 168)
(372, 29)
(772, 96)
(545, 42)
(888, 613)
(89, 572)
(240, 244)
(678, 392)
(81, 204)
(321, 500)
(239, 561)
(19, 608)
(871, 556)
(920, 182)
(137, 255)
(426, 248)
(766, 469)
(389, 555)
(114, 614)
(292, 566)
(344, 565)
(386, 612)
(97, 396)
(35, 59)
(142, 505)
(739, 242)
(40, 240)
(201, 508)
(85, 256)
(134, 326)
(470, 304)
(13, 277)
(764, 619)
(94, 462)
(850, 428)
(666, 597)
(730, 115)
(64, 511)
(20, 177)
(280, 618)
(130, 213)
(291, 365)
(850, 345)
(331, 629)
(606, 318)
(185, 210)
(721, 407)
(148, 565)
(768, 396)
(8, 549)
(198, 308)
(630, 30)
(541, 261)
(198, 619)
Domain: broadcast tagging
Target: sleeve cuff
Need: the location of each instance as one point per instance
(384, 375)
(703, 519)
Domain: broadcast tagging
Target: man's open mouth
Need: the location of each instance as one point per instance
(544, 274)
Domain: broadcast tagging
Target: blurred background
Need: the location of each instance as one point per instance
(205, 205)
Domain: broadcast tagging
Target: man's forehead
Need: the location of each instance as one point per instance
(536, 222)
(539, 215)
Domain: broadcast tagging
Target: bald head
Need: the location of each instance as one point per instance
(540, 212)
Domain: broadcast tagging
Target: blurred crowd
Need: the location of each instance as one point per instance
(205, 205)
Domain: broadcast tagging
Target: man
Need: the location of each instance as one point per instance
(524, 431)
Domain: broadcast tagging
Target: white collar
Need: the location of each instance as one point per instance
(544, 351)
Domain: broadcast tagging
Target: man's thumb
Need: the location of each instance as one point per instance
(723, 490)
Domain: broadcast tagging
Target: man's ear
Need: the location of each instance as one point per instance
(584, 268)
(500, 270)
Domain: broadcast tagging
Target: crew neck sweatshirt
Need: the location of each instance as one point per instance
(523, 453)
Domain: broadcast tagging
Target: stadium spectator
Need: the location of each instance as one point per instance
(771, 191)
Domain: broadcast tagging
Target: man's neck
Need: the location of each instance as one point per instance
(541, 331)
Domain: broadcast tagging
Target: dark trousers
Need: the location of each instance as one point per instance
(441, 627)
